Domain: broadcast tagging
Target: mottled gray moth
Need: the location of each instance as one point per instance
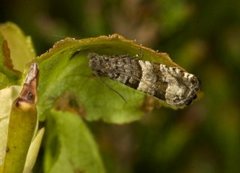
(170, 84)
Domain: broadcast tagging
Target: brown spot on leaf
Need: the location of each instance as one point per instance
(7, 61)
(75, 168)
(149, 104)
(7, 55)
(28, 95)
(7, 149)
(68, 102)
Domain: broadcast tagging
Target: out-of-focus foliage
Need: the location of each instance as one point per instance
(16, 50)
(201, 36)
(19, 46)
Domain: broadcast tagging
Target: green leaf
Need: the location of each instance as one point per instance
(33, 151)
(69, 145)
(22, 124)
(7, 96)
(4, 81)
(6, 68)
(64, 71)
(16, 51)
(20, 47)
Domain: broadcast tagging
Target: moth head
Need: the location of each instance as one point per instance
(181, 91)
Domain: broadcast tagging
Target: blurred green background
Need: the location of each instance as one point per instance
(201, 36)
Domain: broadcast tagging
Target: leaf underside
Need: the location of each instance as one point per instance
(64, 70)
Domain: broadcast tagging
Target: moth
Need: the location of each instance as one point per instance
(173, 85)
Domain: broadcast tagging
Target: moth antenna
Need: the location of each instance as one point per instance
(113, 89)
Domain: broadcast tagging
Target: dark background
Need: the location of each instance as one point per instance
(201, 36)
